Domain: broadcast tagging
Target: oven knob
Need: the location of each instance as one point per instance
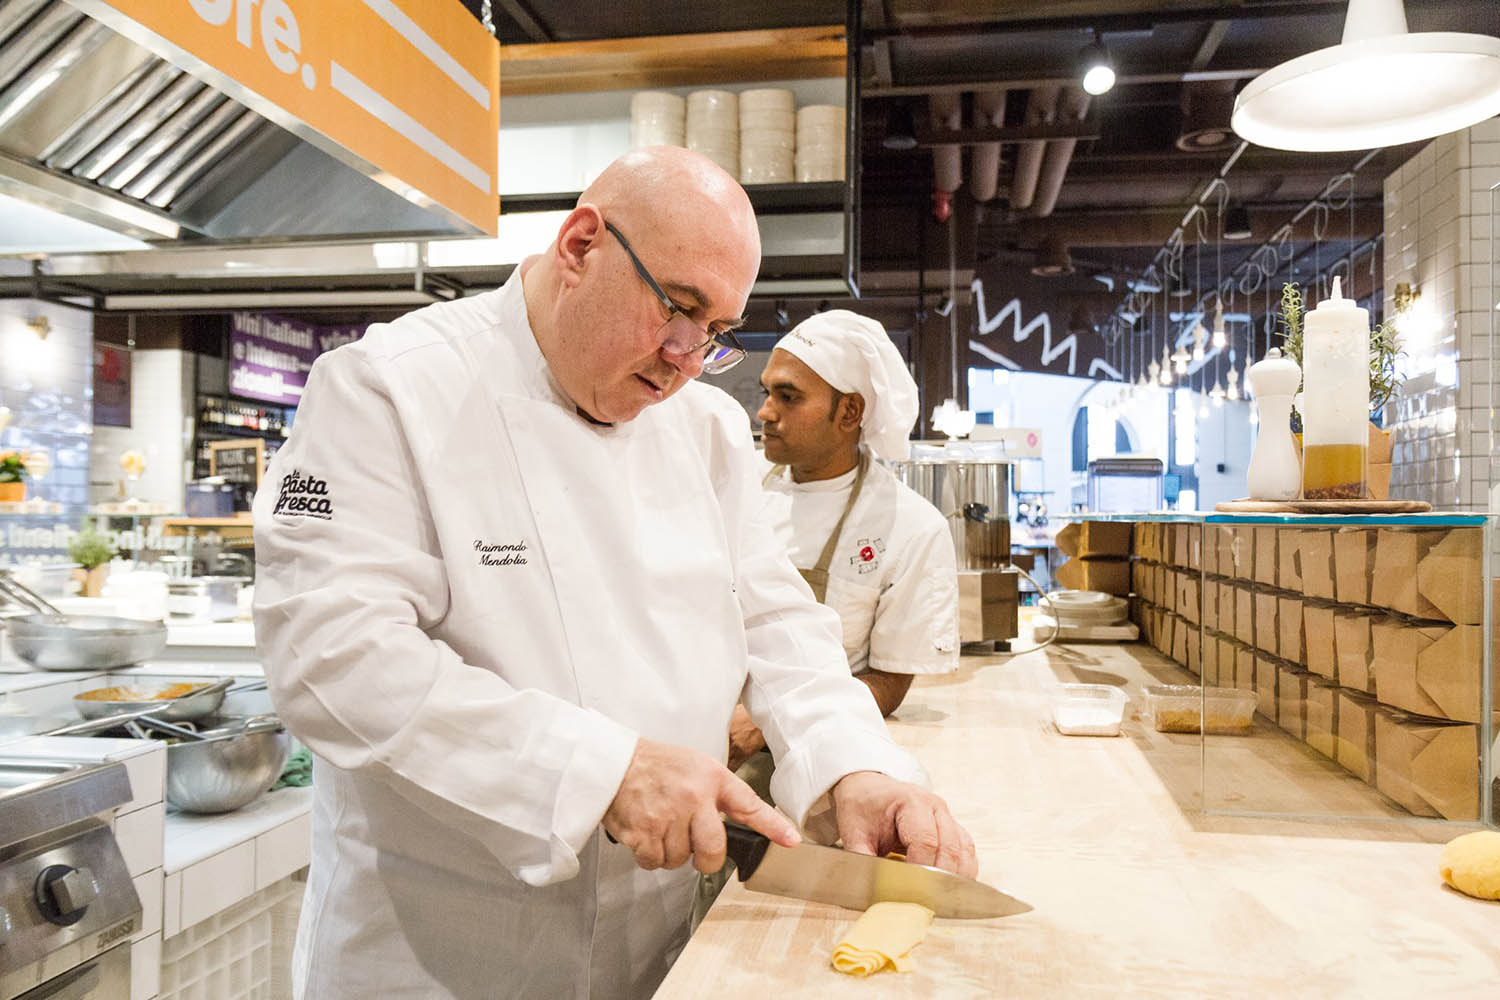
(63, 894)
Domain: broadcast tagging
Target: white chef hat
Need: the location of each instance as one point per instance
(853, 353)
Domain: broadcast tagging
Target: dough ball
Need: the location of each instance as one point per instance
(1471, 864)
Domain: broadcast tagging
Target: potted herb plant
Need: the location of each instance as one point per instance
(1385, 349)
(12, 477)
(90, 551)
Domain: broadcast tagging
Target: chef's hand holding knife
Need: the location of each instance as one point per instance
(668, 806)
(668, 810)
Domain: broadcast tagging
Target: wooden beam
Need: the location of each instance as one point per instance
(673, 60)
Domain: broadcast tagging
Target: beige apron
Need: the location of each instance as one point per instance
(817, 577)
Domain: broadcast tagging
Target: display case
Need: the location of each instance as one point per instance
(1366, 643)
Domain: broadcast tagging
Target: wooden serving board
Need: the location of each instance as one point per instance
(1323, 507)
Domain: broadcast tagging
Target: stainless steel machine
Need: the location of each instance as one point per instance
(67, 906)
(971, 488)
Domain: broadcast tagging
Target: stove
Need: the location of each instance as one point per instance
(67, 906)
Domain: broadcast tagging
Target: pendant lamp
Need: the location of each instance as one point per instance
(1381, 86)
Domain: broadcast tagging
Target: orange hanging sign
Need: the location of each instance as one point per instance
(406, 91)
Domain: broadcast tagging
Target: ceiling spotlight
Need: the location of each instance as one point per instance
(1098, 67)
(1180, 289)
(1052, 260)
(900, 128)
(1380, 86)
(945, 305)
(1206, 109)
(783, 318)
(1237, 223)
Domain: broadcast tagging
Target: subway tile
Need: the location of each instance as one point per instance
(1485, 131)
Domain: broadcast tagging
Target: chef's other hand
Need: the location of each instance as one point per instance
(878, 815)
(744, 738)
(668, 806)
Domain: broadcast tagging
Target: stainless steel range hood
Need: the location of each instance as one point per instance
(97, 128)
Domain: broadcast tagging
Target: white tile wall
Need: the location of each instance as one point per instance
(1437, 239)
(48, 384)
(161, 397)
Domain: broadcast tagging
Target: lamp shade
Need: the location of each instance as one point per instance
(1381, 86)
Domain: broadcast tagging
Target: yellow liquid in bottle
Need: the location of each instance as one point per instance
(1334, 472)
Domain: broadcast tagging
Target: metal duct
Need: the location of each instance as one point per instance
(161, 107)
(170, 132)
(16, 13)
(190, 143)
(1041, 106)
(947, 161)
(129, 96)
(989, 110)
(84, 38)
(1072, 106)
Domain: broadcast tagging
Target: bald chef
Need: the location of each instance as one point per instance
(839, 396)
(511, 581)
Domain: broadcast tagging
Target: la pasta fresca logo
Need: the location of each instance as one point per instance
(304, 496)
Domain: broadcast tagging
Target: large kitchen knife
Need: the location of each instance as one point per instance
(857, 881)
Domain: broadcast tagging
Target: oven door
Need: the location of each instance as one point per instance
(103, 977)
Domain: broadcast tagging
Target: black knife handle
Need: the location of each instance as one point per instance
(745, 848)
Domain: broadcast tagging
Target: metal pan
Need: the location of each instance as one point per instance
(51, 640)
(196, 704)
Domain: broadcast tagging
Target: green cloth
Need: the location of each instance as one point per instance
(298, 771)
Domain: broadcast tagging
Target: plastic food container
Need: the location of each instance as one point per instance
(1088, 709)
(1180, 708)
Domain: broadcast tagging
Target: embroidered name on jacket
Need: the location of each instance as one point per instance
(304, 496)
(500, 553)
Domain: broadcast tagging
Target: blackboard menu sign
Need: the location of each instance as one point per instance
(241, 461)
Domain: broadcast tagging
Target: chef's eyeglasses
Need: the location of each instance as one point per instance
(720, 351)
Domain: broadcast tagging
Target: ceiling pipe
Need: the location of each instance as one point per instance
(947, 161)
(1071, 107)
(1041, 106)
(989, 110)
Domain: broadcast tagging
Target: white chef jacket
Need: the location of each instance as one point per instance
(470, 602)
(893, 579)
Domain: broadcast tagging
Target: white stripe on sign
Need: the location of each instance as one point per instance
(424, 43)
(361, 94)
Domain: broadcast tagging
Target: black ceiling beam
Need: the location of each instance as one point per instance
(1144, 19)
(525, 19)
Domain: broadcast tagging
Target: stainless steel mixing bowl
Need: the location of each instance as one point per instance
(228, 767)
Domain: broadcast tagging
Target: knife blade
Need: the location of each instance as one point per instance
(857, 881)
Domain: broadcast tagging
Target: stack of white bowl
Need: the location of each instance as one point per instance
(820, 143)
(657, 118)
(713, 127)
(768, 136)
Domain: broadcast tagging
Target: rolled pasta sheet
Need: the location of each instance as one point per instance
(883, 936)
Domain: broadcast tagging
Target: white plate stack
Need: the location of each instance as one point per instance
(657, 118)
(820, 143)
(768, 136)
(713, 127)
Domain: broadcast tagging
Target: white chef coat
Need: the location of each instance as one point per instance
(893, 579)
(470, 602)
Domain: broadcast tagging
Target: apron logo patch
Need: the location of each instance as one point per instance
(501, 553)
(867, 559)
(304, 496)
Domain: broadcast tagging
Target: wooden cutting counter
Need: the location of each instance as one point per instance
(1137, 891)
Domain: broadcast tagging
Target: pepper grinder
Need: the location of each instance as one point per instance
(1275, 473)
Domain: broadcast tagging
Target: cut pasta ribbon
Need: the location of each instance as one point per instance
(883, 936)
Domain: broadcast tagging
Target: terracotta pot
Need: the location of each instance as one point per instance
(12, 492)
